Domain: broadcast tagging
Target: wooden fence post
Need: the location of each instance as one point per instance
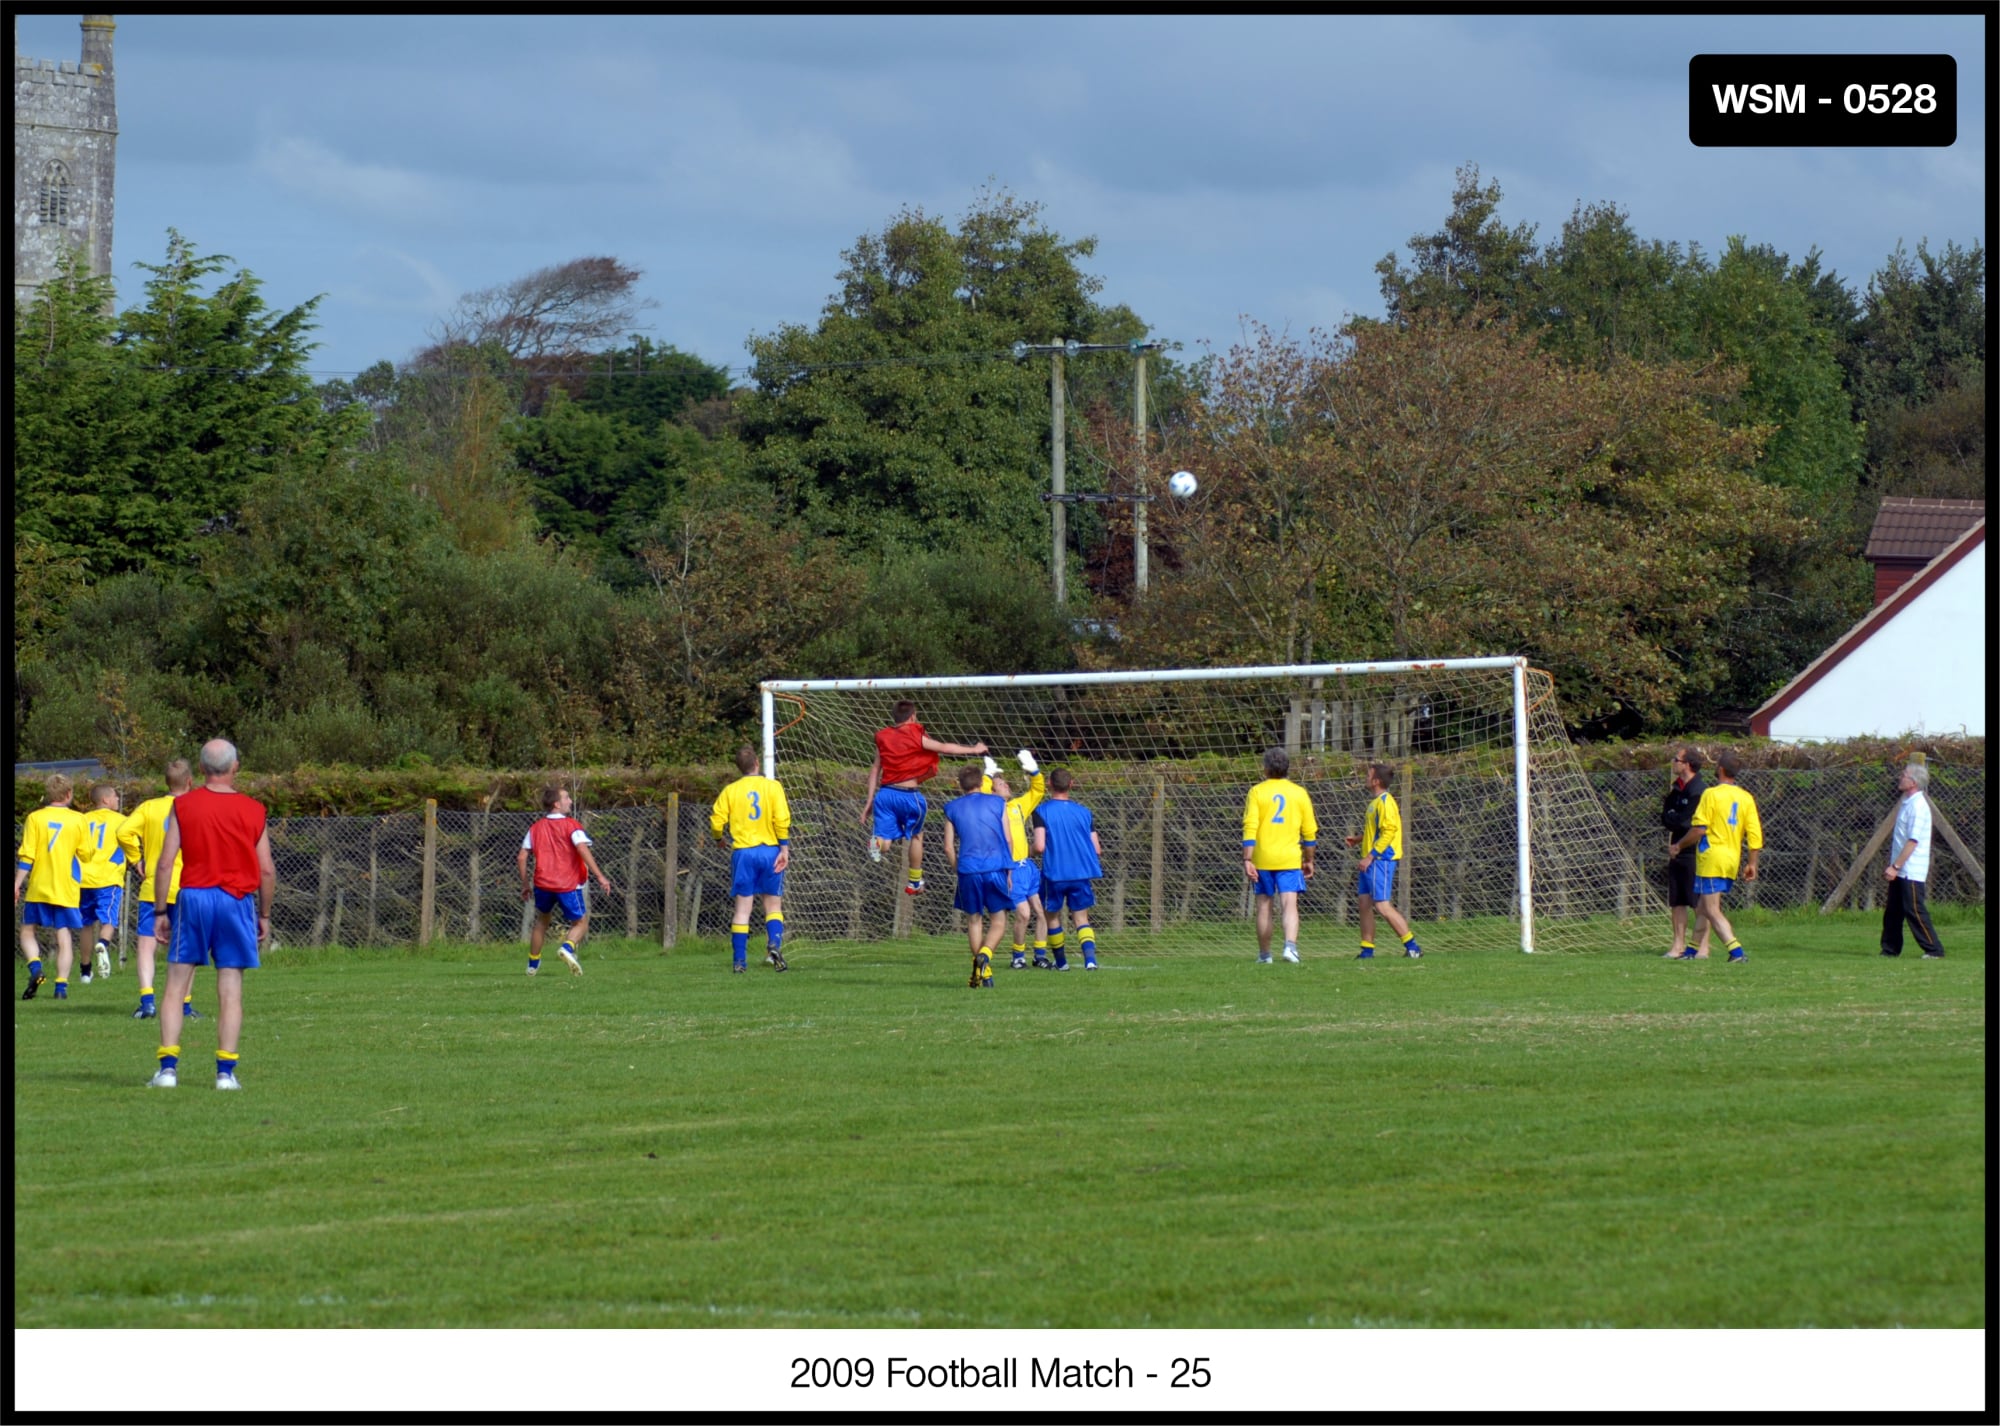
(632, 879)
(670, 898)
(427, 907)
(1159, 890)
(1403, 880)
(374, 876)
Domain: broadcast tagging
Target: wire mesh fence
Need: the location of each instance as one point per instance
(412, 877)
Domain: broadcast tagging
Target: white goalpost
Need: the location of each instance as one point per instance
(1506, 843)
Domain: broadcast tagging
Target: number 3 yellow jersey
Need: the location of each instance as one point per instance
(754, 811)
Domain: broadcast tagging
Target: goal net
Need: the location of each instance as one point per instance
(1506, 845)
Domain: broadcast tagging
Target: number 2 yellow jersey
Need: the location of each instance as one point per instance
(753, 811)
(1277, 822)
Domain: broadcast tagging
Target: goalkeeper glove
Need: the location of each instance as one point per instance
(992, 768)
(1027, 761)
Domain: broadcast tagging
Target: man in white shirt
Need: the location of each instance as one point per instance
(1909, 866)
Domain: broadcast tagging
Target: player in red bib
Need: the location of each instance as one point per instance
(905, 757)
(563, 867)
(227, 881)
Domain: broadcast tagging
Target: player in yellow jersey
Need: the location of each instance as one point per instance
(1381, 843)
(48, 866)
(103, 880)
(1026, 878)
(1725, 827)
(142, 835)
(752, 818)
(1279, 831)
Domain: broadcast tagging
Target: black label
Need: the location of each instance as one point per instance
(1823, 100)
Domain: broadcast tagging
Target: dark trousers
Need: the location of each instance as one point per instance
(1906, 903)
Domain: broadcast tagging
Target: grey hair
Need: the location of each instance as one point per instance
(218, 755)
(1920, 775)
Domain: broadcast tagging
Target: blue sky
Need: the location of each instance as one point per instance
(1229, 167)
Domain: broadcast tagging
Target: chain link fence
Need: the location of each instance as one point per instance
(407, 877)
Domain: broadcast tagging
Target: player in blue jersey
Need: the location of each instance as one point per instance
(1066, 841)
(975, 841)
(1025, 878)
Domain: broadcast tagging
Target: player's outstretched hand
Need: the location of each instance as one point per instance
(1027, 761)
(992, 768)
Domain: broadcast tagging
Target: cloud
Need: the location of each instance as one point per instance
(315, 171)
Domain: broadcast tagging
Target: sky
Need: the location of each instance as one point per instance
(1229, 167)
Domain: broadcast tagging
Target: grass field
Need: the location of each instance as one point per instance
(1480, 1140)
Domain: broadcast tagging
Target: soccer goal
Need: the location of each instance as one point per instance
(1506, 843)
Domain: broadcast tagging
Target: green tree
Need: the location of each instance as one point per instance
(900, 420)
(1917, 368)
(1473, 261)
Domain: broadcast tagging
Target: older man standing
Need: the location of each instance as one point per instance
(1909, 867)
(224, 909)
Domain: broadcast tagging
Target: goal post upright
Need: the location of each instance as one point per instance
(770, 732)
(1524, 863)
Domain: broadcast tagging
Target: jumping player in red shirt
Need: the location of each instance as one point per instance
(905, 756)
(563, 867)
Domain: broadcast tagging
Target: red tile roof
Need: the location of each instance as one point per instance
(1910, 527)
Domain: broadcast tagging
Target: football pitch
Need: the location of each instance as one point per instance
(1481, 1140)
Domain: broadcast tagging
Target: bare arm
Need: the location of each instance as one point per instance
(163, 877)
(590, 865)
(267, 884)
(1694, 834)
(950, 845)
(527, 884)
(1891, 871)
(874, 781)
(959, 750)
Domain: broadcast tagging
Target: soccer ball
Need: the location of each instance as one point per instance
(1182, 484)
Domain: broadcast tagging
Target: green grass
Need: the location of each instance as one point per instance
(1470, 1140)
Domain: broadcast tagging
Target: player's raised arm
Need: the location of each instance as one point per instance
(957, 750)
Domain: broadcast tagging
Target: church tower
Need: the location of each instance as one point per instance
(65, 157)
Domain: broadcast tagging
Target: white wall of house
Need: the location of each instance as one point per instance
(1923, 671)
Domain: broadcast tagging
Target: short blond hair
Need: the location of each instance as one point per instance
(58, 786)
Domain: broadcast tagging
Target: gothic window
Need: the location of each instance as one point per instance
(55, 194)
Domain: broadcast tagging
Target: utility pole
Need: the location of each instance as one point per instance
(1058, 558)
(1139, 468)
(1059, 495)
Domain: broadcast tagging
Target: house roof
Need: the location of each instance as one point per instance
(1909, 527)
(1869, 623)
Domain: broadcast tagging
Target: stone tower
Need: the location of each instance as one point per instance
(65, 157)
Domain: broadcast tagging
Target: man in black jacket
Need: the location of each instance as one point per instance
(1677, 815)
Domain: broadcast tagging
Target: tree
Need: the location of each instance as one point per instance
(1443, 487)
(132, 438)
(1473, 261)
(1917, 368)
(900, 420)
(557, 312)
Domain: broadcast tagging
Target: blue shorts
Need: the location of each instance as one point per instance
(571, 902)
(142, 920)
(1027, 881)
(209, 924)
(100, 904)
(1712, 885)
(751, 873)
(43, 913)
(1077, 895)
(1378, 883)
(981, 891)
(1270, 883)
(899, 815)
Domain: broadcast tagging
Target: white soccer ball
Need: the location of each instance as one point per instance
(1182, 484)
